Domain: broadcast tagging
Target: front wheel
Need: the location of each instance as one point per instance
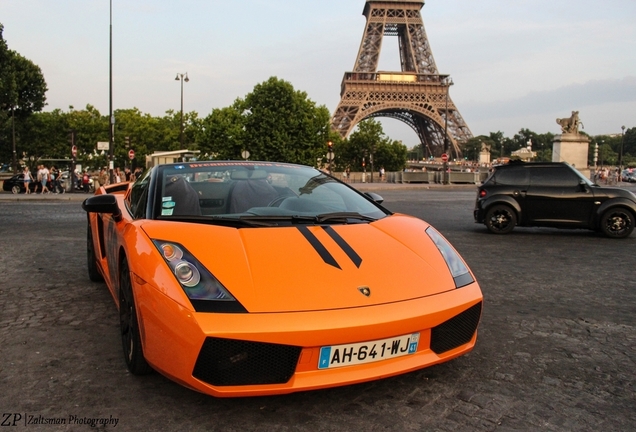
(16, 189)
(500, 219)
(617, 223)
(129, 325)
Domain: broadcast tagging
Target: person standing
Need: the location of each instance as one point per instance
(103, 177)
(86, 182)
(27, 179)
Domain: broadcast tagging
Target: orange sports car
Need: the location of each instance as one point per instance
(261, 278)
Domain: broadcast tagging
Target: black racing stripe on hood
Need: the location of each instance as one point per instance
(353, 256)
(319, 247)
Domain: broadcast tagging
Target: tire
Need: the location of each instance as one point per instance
(500, 219)
(129, 325)
(617, 222)
(16, 189)
(91, 260)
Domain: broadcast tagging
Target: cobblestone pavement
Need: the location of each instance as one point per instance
(555, 352)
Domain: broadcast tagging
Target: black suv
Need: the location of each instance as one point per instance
(552, 194)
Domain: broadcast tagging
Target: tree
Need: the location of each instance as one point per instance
(22, 88)
(221, 134)
(369, 139)
(282, 124)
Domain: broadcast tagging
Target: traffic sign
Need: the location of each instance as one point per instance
(444, 157)
(131, 154)
(74, 150)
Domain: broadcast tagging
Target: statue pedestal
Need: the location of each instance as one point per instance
(573, 149)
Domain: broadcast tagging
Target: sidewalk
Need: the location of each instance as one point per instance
(10, 197)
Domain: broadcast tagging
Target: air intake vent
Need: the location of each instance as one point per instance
(228, 362)
(457, 331)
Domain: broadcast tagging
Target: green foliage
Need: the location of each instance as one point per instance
(369, 139)
(282, 124)
(22, 92)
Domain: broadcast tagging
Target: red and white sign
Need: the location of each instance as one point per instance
(444, 157)
(131, 154)
(74, 151)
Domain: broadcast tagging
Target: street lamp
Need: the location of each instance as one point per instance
(182, 77)
(448, 83)
(620, 160)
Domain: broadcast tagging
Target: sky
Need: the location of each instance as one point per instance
(514, 63)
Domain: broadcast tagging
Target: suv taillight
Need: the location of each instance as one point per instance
(482, 193)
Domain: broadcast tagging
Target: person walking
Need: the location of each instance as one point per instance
(43, 177)
(54, 174)
(27, 180)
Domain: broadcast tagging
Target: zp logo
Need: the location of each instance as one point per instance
(11, 419)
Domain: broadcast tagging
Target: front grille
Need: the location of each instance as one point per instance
(229, 362)
(456, 331)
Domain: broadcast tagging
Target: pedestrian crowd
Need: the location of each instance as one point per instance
(46, 180)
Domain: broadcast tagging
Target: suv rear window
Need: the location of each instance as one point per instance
(517, 176)
(556, 176)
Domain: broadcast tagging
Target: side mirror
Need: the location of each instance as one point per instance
(375, 197)
(583, 186)
(106, 203)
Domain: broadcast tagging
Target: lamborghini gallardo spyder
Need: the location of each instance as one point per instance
(260, 278)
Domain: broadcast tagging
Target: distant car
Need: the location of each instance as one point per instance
(239, 278)
(552, 195)
(629, 176)
(16, 184)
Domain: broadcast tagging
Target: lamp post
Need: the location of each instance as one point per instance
(182, 77)
(111, 117)
(448, 82)
(620, 158)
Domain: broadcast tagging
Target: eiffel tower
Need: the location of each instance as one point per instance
(418, 95)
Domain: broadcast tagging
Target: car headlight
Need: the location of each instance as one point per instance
(205, 292)
(455, 263)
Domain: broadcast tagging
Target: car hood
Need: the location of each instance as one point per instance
(309, 268)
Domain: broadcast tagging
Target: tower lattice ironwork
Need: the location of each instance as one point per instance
(417, 95)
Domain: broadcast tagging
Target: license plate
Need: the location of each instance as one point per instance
(367, 352)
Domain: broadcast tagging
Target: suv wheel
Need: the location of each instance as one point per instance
(617, 223)
(500, 219)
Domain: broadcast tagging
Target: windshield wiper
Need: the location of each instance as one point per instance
(237, 222)
(343, 217)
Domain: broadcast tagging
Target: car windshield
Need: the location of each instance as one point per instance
(258, 194)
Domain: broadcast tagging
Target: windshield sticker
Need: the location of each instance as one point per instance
(167, 206)
(164, 199)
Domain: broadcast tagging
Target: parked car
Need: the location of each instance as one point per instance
(16, 184)
(552, 194)
(239, 278)
(629, 176)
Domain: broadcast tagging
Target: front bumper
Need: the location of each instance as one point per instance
(264, 354)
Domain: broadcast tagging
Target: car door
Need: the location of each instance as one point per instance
(556, 197)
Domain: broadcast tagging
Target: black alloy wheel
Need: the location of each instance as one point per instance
(500, 219)
(130, 338)
(617, 223)
(91, 259)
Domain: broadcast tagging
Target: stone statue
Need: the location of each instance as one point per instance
(570, 125)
